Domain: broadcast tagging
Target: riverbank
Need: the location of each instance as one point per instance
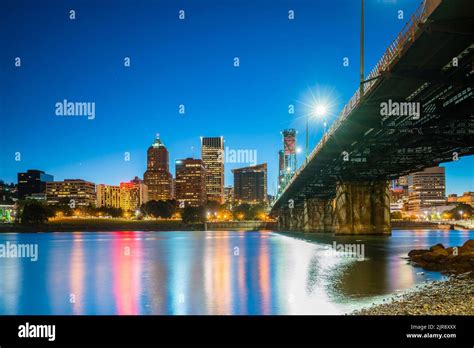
(454, 296)
(95, 225)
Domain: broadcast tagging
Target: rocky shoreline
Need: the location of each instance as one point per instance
(454, 296)
(456, 259)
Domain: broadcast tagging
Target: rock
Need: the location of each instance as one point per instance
(469, 244)
(439, 249)
(417, 252)
(437, 258)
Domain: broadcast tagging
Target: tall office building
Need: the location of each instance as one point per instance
(281, 169)
(212, 153)
(426, 189)
(190, 182)
(289, 149)
(107, 196)
(76, 191)
(157, 176)
(32, 182)
(250, 184)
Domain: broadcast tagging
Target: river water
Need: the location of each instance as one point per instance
(228, 272)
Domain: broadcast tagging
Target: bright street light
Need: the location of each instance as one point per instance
(320, 110)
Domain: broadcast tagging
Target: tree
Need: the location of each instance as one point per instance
(258, 212)
(396, 215)
(243, 212)
(162, 209)
(35, 213)
(466, 210)
(194, 214)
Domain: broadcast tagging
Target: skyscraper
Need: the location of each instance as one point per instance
(289, 148)
(287, 158)
(212, 153)
(190, 182)
(157, 176)
(250, 184)
(281, 169)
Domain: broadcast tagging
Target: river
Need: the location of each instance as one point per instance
(227, 272)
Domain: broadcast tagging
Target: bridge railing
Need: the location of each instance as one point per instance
(406, 35)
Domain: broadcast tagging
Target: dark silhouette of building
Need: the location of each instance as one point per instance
(32, 182)
(250, 184)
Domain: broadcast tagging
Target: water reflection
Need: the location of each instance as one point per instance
(207, 272)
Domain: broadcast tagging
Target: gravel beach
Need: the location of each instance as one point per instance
(454, 296)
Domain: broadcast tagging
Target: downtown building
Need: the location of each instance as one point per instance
(250, 184)
(190, 182)
(466, 198)
(287, 158)
(32, 183)
(107, 196)
(76, 191)
(426, 189)
(212, 154)
(157, 177)
(129, 196)
(133, 194)
(228, 195)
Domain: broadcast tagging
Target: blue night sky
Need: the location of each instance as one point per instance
(177, 62)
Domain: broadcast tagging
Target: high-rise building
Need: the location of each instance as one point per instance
(108, 196)
(157, 176)
(132, 195)
(71, 191)
(426, 189)
(250, 184)
(281, 169)
(289, 149)
(212, 153)
(32, 182)
(191, 182)
(287, 158)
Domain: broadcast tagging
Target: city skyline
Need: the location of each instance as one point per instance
(135, 102)
(230, 178)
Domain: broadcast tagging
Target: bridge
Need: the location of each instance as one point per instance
(343, 185)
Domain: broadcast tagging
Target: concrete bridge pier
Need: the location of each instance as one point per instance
(362, 208)
(320, 215)
(313, 215)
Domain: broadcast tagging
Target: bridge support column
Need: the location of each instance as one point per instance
(362, 208)
(284, 220)
(320, 215)
(298, 218)
(293, 219)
